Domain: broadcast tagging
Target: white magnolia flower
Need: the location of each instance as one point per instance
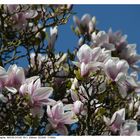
(101, 39)
(88, 59)
(58, 117)
(16, 76)
(86, 24)
(20, 18)
(116, 121)
(53, 36)
(37, 95)
(116, 70)
(40, 58)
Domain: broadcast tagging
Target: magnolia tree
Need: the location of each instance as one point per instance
(93, 90)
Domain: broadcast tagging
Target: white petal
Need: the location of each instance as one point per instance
(11, 89)
(121, 77)
(43, 93)
(96, 53)
(122, 66)
(84, 54)
(84, 69)
(118, 117)
(110, 69)
(58, 110)
(85, 19)
(122, 89)
(3, 73)
(106, 120)
(131, 81)
(31, 79)
(54, 30)
(49, 112)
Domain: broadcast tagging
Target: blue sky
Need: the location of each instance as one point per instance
(119, 17)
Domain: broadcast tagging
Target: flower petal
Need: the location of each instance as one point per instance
(84, 54)
(61, 129)
(110, 69)
(122, 66)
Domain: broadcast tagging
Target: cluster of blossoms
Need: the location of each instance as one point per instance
(20, 15)
(113, 41)
(37, 96)
(91, 89)
(110, 54)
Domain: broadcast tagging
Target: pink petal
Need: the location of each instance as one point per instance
(61, 129)
(122, 66)
(110, 69)
(84, 54)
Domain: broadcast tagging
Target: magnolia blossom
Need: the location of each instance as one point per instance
(13, 78)
(123, 49)
(58, 117)
(36, 94)
(117, 43)
(39, 59)
(116, 70)
(86, 23)
(16, 76)
(116, 121)
(129, 53)
(117, 38)
(110, 41)
(20, 17)
(101, 39)
(88, 59)
(53, 37)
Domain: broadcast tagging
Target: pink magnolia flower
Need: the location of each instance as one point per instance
(40, 59)
(88, 59)
(20, 17)
(37, 95)
(58, 117)
(87, 23)
(117, 39)
(116, 121)
(129, 53)
(116, 70)
(101, 39)
(16, 77)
